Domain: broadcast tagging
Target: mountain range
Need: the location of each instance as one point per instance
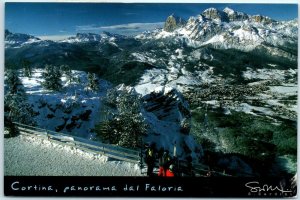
(212, 29)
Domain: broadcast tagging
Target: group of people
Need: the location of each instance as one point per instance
(165, 162)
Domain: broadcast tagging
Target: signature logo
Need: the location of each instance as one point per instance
(256, 187)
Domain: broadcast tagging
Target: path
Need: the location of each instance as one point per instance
(30, 156)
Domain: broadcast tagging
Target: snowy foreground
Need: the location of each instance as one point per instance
(29, 156)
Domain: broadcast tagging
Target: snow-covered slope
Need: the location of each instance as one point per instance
(31, 156)
(73, 110)
(165, 110)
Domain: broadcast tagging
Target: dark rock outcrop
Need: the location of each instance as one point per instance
(262, 19)
(213, 13)
(173, 22)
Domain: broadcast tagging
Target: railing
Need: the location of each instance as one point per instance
(109, 150)
(86, 145)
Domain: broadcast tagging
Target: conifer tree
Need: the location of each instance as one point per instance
(27, 68)
(126, 126)
(93, 82)
(66, 70)
(52, 78)
(16, 106)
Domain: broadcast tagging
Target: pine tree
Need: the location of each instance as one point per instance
(125, 126)
(27, 68)
(52, 78)
(66, 70)
(16, 106)
(93, 82)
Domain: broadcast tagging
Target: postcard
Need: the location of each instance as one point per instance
(106, 99)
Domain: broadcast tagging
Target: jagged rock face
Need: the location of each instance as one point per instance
(173, 23)
(235, 16)
(167, 113)
(213, 13)
(169, 106)
(262, 19)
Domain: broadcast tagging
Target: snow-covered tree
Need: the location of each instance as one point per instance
(124, 124)
(52, 78)
(27, 68)
(16, 106)
(66, 70)
(93, 82)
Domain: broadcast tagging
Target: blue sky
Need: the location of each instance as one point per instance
(59, 19)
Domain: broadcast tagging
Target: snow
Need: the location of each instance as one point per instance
(287, 90)
(72, 101)
(210, 10)
(143, 58)
(179, 52)
(215, 39)
(265, 74)
(164, 34)
(165, 126)
(150, 80)
(155, 78)
(243, 35)
(244, 107)
(275, 102)
(228, 11)
(28, 156)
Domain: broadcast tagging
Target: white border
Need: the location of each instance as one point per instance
(2, 20)
(165, 1)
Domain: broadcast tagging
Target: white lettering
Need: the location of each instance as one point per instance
(12, 185)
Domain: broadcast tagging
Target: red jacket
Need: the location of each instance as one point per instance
(169, 173)
(161, 171)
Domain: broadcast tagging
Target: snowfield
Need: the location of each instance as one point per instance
(67, 107)
(31, 156)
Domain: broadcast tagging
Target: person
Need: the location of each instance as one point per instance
(161, 171)
(150, 159)
(166, 160)
(170, 171)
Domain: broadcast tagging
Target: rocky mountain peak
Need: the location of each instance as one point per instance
(7, 32)
(229, 11)
(84, 37)
(234, 15)
(88, 36)
(15, 39)
(173, 22)
(262, 19)
(213, 13)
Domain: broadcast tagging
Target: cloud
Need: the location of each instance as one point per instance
(127, 29)
(135, 26)
(131, 14)
(54, 37)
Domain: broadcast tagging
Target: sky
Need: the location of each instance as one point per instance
(56, 20)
